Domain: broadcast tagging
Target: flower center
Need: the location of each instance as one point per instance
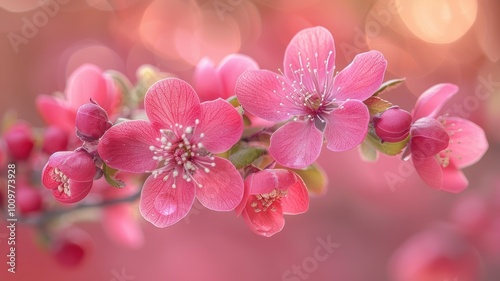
(63, 180)
(308, 93)
(181, 154)
(263, 202)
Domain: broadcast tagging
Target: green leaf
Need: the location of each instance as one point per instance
(314, 177)
(109, 175)
(377, 105)
(242, 155)
(389, 85)
(389, 148)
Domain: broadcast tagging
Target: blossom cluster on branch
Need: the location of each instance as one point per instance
(239, 139)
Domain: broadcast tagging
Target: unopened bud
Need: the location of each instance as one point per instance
(91, 122)
(392, 125)
(19, 140)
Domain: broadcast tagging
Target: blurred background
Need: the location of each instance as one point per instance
(382, 229)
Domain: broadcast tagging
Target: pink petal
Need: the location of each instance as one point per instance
(432, 100)
(430, 171)
(230, 68)
(454, 180)
(311, 45)
(296, 144)
(428, 138)
(126, 146)
(55, 111)
(84, 83)
(163, 205)
(361, 78)
(222, 188)
(297, 199)
(206, 81)
(172, 101)
(79, 190)
(121, 226)
(267, 180)
(77, 166)
(468, 142)
(265, 223)
(346, 126)
(262, 93)
(221, 125)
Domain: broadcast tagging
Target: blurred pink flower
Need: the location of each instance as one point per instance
(19, 141)
(85, 83)
(176, 146)
(437, 253)
(268, 195)
(69, 174)
(441, 145)
(212, 82)
(318, 100)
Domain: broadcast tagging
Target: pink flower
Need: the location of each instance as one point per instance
(85, 83)
(268, 195)
(19, 141)
(440, 145)
(212, 82)
(319, 101)
(69, 174)
(176, 146)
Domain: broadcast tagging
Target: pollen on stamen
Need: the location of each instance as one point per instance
(206, 170)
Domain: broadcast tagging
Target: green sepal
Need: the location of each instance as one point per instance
(389, 148)
(109, 175)
(368, 152)
(377, 105)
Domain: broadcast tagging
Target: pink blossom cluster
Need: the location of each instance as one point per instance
(242, 139)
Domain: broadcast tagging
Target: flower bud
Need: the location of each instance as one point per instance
(54, 139)
(428, 138)
(69, 174)
(29, 200)
(70, 247)
(393, 125)
(19, 141)
(91, 122)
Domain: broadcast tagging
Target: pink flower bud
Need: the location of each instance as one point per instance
(69, 174)
(428, 138)
(54, 139)
(70, 247)
(393, 125)
(19, 141)
(91, 122)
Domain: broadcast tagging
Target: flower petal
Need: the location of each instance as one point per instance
(163, 205)
(221, 125)
(263, 93)
(267, 180)
(429, 171)
(346, 126)
(206, 81)
(230, 68)
(297, 199)
(428, 138)
(432, 100)
(76, 165)
(296, 144)
(55, 111)
(454, 180)
(312, 46)
(468, 142)
(265, 223)
(361, 78)
(79, 190)
(121, 226)
(171, 101)
(222, 188)
(126, 146)
(85, 83)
